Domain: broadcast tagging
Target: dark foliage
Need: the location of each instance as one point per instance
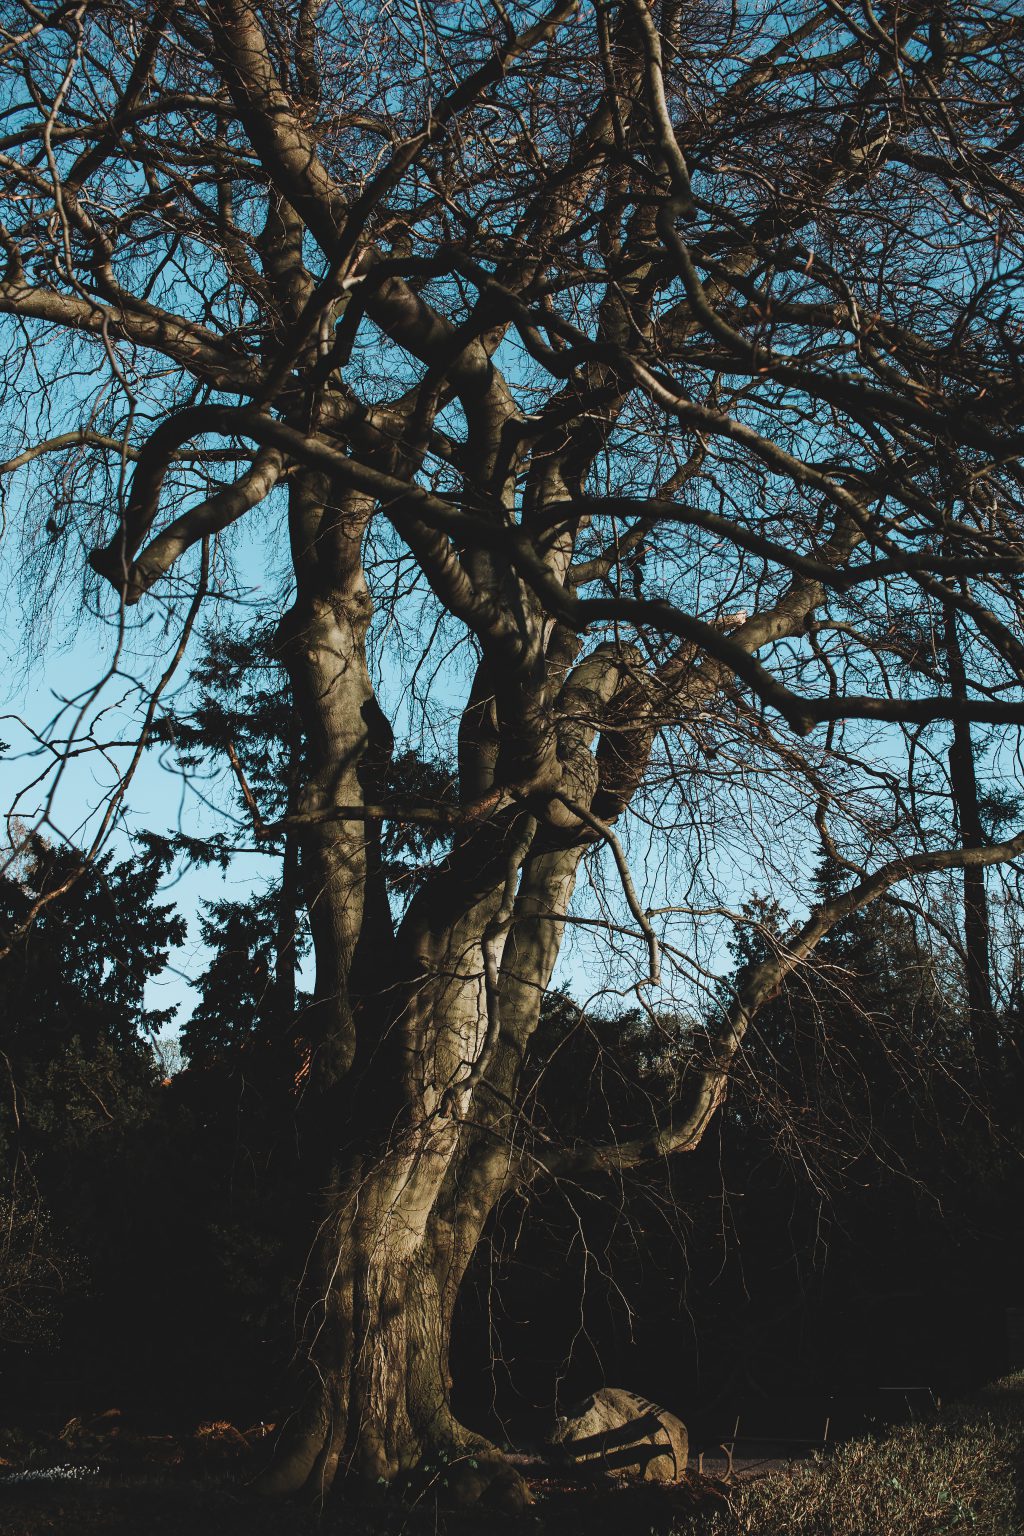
(80, 972)
(850, 1225)
(173, 1215)
(141, 1260)
(238, 1004)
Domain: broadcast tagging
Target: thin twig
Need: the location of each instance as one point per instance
(643, 921)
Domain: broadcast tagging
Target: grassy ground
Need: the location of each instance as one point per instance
(961, 1473)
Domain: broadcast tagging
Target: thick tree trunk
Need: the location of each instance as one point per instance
(385, 1135)
(407, 1211)
(374, 1359)
(416, 1058)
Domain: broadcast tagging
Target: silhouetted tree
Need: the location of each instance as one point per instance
(644, 368)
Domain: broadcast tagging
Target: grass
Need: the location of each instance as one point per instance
(958, 1472)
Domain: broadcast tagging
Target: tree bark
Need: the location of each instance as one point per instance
(322, 642)
(372, 1372)
(416, 1142)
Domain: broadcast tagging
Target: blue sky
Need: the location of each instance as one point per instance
(57, 657)
(51, 659)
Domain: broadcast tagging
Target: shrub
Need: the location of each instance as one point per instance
(959, 1471)
(37, 1271)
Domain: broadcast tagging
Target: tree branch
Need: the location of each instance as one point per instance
(683, 1128)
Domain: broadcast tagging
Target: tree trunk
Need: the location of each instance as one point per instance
(977, 941)
(414, 1142)
(376, 1328)
(322, 642)
(396, 1027)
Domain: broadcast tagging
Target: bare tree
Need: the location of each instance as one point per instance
(665, 361)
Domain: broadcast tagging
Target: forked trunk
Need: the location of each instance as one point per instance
(415, 1041)
(405, 1215)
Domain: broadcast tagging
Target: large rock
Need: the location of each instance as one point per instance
(617, 1433)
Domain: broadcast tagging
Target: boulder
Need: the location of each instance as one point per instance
(619, 1434)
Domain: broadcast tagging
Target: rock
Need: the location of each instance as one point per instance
(619, 1434)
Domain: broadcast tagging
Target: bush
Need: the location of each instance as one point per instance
(958, 1472)
(37, 1271)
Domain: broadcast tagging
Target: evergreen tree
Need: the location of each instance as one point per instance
(80, 1134)
(80, 972)
(849, 1057)
(238, 1000)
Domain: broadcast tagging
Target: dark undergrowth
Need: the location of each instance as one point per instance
(959, 1473)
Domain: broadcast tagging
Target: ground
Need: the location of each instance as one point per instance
(99, 1477)
(956, 1472)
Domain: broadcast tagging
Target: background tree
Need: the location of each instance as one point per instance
(74, 982)
(125, 1196)
(848, 1224)
(242, 714)
(80, 1087)
(37, 1271)
(648, 367)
